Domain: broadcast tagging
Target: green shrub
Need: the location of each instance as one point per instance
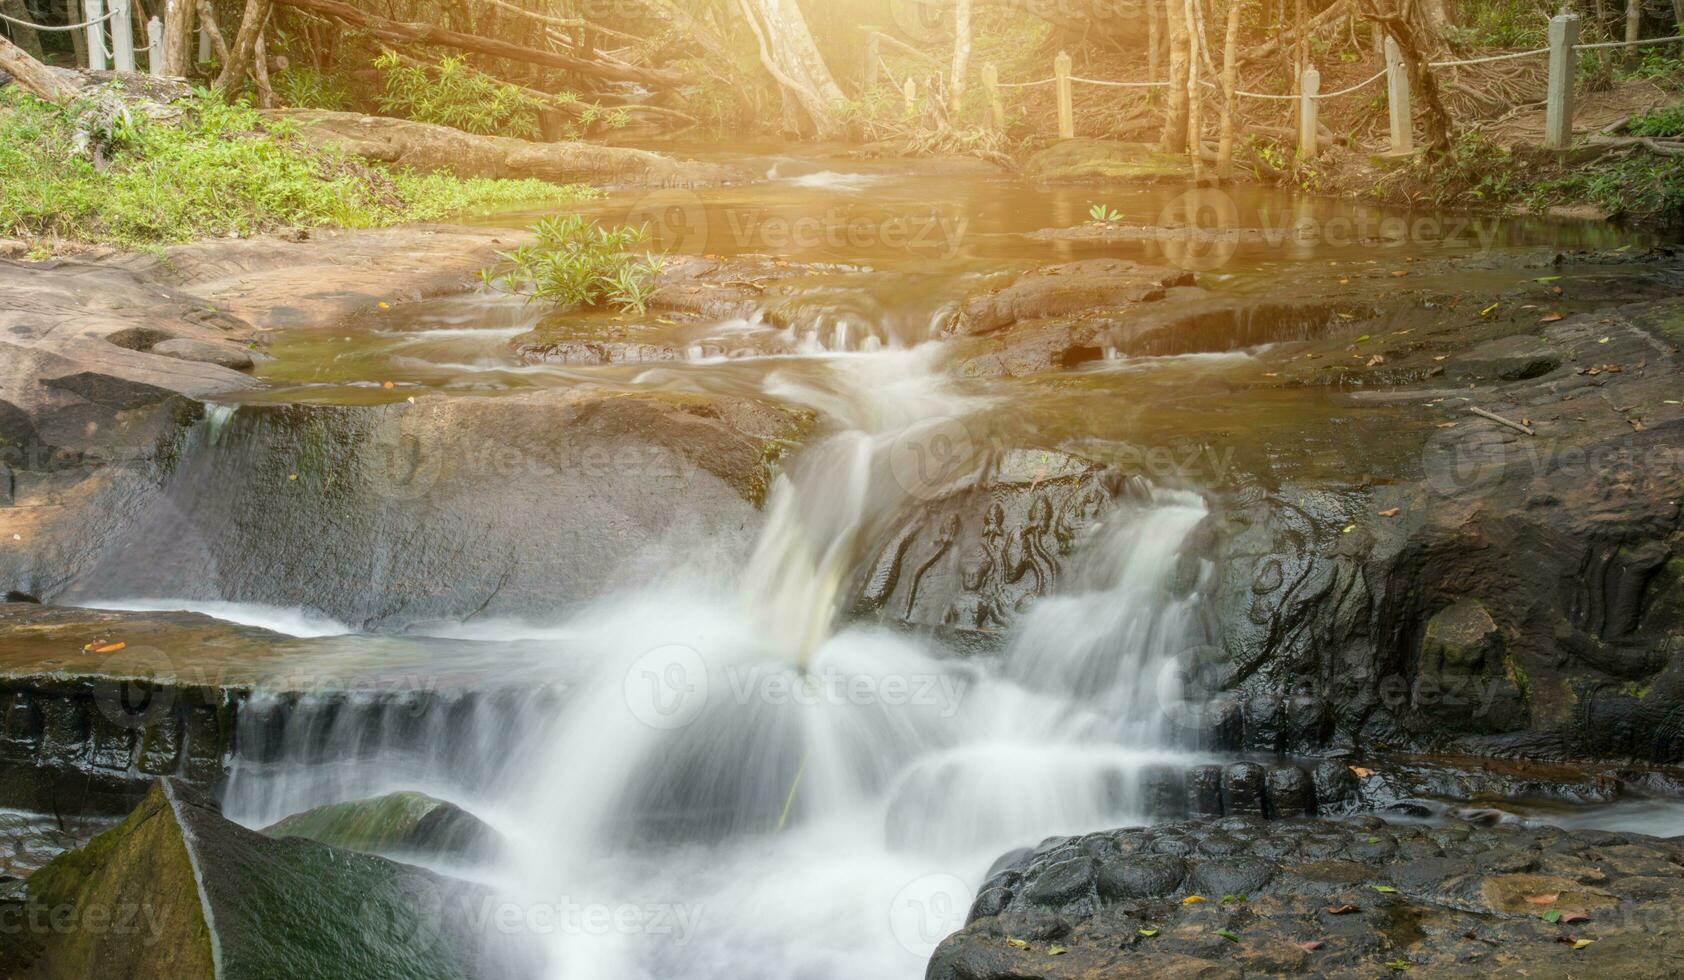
(1660, 122)
(90, 173)
(577, 262)
(453, 94)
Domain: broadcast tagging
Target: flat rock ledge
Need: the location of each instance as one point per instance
(1354, 898)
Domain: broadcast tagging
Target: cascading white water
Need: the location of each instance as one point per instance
(745, 790)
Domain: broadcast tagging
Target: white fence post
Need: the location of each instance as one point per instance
(1308, 126)
(93, 10)
(1397, 100)
(1066, 96)
(155, 46)
(122, 36)
(1558, 118)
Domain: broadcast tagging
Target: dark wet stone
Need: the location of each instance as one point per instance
(1290, 792)
(1242, 789)
(1062, 884)
(1204, 791)
(1143, 876)
(1230, 876)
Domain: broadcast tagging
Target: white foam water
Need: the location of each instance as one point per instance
(722, 782)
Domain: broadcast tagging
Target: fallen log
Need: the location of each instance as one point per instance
(400, 32)
(430, 148)
(37, 79)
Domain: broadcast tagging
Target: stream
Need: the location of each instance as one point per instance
(711, 768)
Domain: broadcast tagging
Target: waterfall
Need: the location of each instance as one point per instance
(804, 794)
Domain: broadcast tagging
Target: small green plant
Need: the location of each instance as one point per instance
(453, 94)
(1104, 215)
(578, 263)
(304, 87)
(1660, 122)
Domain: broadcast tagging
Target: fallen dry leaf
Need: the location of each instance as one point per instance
(1636, 424)
(1447, 425)
(1395, 510)
(1192, 900)
(1311, 946)
(1362, 773)
(101, 647)
(1376, 359)
(1572, 917)
(1401, 273)
(1551, 318)
(1342, 909)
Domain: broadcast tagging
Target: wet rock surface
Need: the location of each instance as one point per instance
(1358, 898)
(1510, 592)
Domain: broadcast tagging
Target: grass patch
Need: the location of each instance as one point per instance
(86, 174)
(1482, 175)
(578, 263)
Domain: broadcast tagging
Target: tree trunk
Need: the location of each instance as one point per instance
(78, 39)
(36, 78)
(1230, 82)
(245, 44)
(961, 52)
(26, 38)
(1175, 111)
(1195, 96)
(207, 20)
(178, 37)
(1416, 41)
(790, 56)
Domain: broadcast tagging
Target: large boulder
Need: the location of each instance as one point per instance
(1358, 898)
(1507, 587)
(397, 825)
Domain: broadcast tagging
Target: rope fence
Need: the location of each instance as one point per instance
(1564, 46)
(61, 27)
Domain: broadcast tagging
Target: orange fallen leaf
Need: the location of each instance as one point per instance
(1342, 909)
(98, 647)
(388, 384)
(1547, 898)
(1311, 946)
(1391, 513)
(1401, 273)
(1192, 900)
(1572, 917)
(1362, 773)
(1551, 318)
(1376, 359)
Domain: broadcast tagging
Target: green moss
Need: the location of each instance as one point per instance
(217, 170)
(1517, 674)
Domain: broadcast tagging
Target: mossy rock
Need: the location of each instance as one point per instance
(219, 901)
(1074, 160)
(397, 824)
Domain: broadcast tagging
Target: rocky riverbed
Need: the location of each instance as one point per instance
(1397, 542)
